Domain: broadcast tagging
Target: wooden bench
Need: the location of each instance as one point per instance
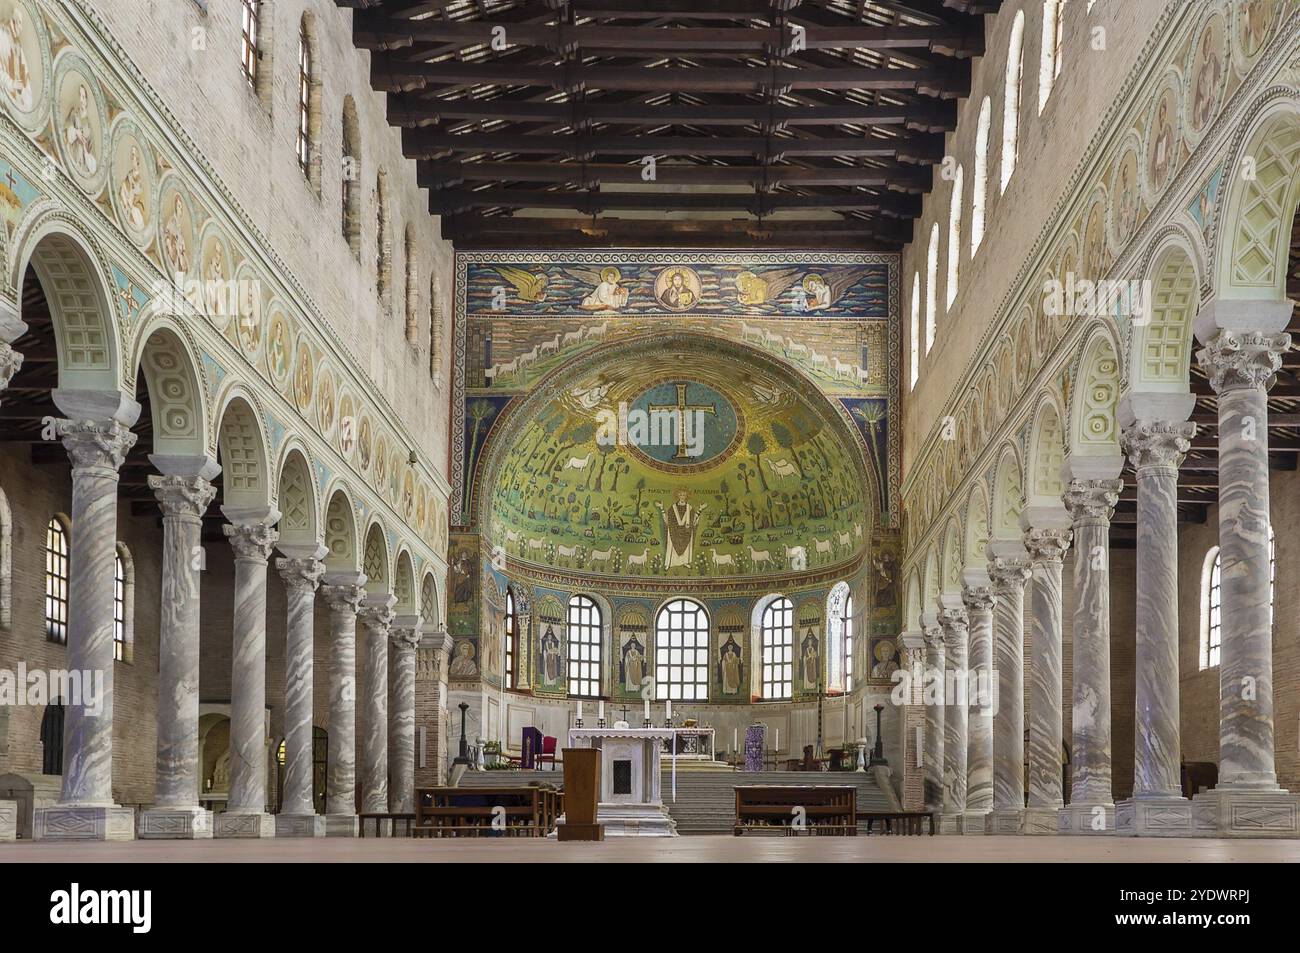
(486, 812)
(394, 822)
(796, 808)
(902, 823)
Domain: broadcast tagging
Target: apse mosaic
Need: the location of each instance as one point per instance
(763, 477)
(522, 317)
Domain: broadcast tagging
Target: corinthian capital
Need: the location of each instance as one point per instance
(978, 599)
(1091, 501)
(343, 599)
(1157, 443)
(377, 616)
(10, 363)
(954, 622)
(181, 496)
(1235, 359)
(406, 637)
(933, 636)
(95, 443)
(300, 575)
(251, 540)
(1048, 545)
(1009, 573)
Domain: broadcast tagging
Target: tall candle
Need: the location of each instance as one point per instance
(669, 704)
(776, 746)
(579, 711)
(647, 709)
(600, 710)
(735, 739)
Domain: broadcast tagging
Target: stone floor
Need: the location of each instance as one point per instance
(700, 849)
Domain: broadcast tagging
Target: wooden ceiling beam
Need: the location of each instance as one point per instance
(452, 201)
(435, 175)
(404, 110)
(389, 76)
(477, 231)
(378, 32)
(428, 144)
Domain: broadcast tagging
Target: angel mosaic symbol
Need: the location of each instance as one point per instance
(823, 290)
(606, 294)
(529, 285)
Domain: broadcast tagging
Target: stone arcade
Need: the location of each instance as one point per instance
(896, 376)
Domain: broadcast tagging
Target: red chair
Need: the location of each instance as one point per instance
(547, 753)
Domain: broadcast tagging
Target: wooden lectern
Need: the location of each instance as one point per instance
(581, 795)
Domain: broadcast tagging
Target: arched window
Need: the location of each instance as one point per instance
(916, 328)
(349, 170)
(512, 631)
(584, 647)
(412, 288)
(304, 99)
(123, 605)
(931, 280)
(682, 652)
(435, 334)
(1212, 601)
(250, 39)
(776, 642)
(1049, 66)
(848, 643)
(954, 237)
(980, 187)
(52, 738)
(1011, 99)
(56, 581)
(383, 246)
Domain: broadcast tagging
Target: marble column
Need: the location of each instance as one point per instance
(1091, 809)
(1157, 807)
(933, 696)
(953, 622)
(1009, 571)
(375, 616)
(97, 446)
(1047, 547)
(184, 495)
(252, 536)
(1247, 800)
(432, 739)
(301, 569)
(404, 639)
(979, 600)
(343, 593)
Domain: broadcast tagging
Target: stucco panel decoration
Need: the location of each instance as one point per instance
(829, 317)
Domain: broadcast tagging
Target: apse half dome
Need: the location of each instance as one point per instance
(694, 459)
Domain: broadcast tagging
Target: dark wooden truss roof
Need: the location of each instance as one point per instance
(798, 122)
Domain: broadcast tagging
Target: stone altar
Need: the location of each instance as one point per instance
(631, 802)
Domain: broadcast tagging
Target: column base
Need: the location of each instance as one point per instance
(952, 823)
(1232, 812)
(1154, 817)
(175, 823)
(1041, 820)
(8, 820)
(340, 825)
(1004, 822)
(245, 825)
(70, 822)
(300, 825)
(1091, 819)
(975, 822)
